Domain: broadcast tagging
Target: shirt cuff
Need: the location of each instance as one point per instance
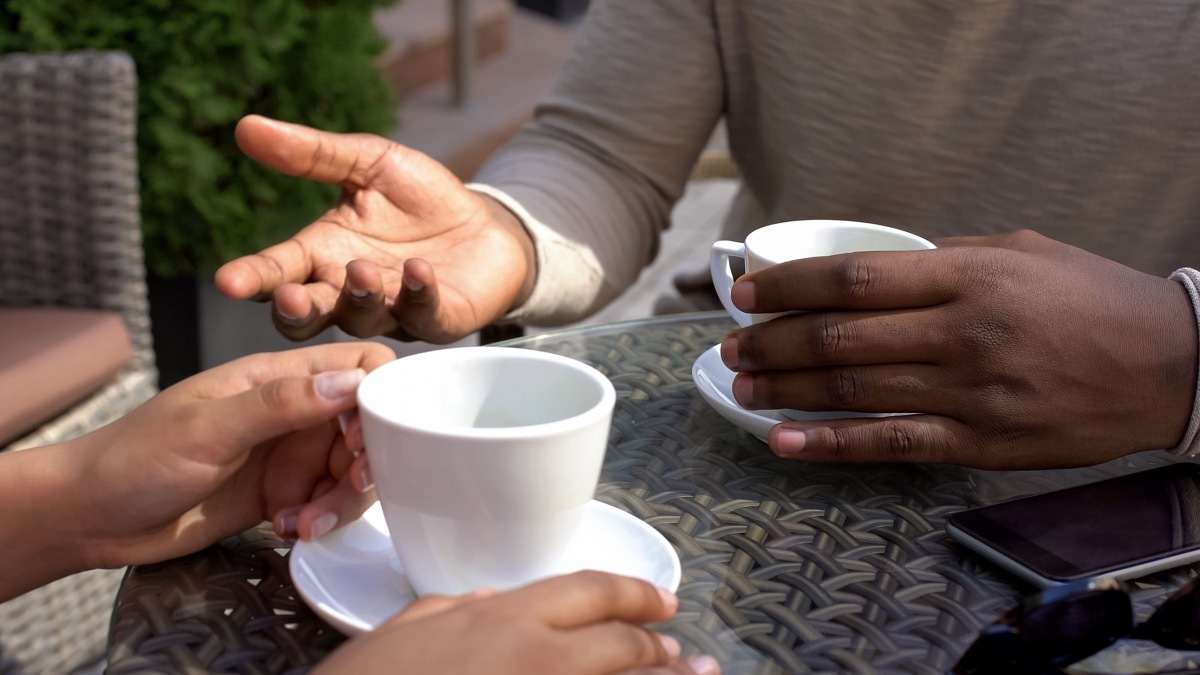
(568, 275)
(1190, 445)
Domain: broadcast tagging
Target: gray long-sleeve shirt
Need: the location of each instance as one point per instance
(1080, 120)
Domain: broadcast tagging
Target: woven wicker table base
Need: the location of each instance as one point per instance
(787, 566)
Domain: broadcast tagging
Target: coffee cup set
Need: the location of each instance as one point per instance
(764, 247)
(486, 460)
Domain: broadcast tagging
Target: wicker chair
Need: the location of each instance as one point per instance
(70, 237)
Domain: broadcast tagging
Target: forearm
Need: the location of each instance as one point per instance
(36, 529)
(611, 149)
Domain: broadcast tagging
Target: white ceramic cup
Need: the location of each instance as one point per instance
(798, 239)
(484, 459)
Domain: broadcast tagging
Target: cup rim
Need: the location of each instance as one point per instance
(811, 224)
(369, 392)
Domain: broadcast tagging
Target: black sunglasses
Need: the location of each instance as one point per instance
(1068, 623)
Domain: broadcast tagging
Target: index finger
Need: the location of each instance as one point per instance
(256, 370)
(259, 274)
(589, 597)
(864, 280)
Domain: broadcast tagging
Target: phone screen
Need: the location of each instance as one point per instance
(1099, 527)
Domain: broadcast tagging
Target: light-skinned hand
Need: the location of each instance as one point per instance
(220, 452)
(1019, 351)
(408, 252)
(588, 623)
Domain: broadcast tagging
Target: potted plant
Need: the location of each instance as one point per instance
(202, 65)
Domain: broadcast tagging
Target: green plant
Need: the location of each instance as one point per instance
(202, 65)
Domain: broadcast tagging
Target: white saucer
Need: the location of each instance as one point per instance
(352, 579)
(715, 383)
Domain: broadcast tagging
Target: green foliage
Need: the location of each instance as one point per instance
(202, 65)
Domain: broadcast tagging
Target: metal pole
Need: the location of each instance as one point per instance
(464, 50)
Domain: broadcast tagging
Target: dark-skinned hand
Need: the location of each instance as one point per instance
(1016, 351)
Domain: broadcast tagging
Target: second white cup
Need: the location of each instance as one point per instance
(484, 459)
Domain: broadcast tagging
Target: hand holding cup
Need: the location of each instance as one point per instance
(797, 240)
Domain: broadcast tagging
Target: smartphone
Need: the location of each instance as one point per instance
(1118, 528)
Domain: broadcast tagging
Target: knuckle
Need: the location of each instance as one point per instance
(596, 584)
(1025, 240)
(279, 397)
(845, 387)
(854, 277)
(986, 271)
(899, 439)
(839, 444)
(192, 422)
(829, 339)
(486, 616)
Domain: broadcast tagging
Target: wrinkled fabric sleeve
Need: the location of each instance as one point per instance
(1190, 445)
(595, 175)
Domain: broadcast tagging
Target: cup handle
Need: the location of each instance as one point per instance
(722, 276)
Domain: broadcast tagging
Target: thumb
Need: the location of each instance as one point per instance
(286, 404)
(297, 150)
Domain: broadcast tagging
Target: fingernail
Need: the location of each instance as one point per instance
(412, 284)
(323, 524)
(357, 292)
(669, 600)
(743, 390)
(703, 664)
(790, 442)
(670, 645)
(338, 385)
(344, 420)
(288, 318)
(285, 525)
(729, 352)
(367, 481)
(742, 295)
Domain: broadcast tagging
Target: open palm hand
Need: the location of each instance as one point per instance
(408, 252)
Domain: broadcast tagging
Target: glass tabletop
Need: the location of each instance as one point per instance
(788, 566)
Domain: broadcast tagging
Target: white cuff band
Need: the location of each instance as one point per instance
(1190, 445)
(559, 261)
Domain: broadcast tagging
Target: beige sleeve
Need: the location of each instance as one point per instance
(610, 149)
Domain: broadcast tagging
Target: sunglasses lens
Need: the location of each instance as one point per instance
(1051, 635)
(1176, 624)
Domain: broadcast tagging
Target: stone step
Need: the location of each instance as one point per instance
(421, 42)
(504, 90)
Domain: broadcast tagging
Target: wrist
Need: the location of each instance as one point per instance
(41, 534)
(511, 223)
